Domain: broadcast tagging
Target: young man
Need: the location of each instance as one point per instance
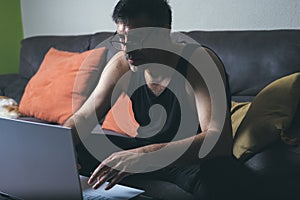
(145, 54)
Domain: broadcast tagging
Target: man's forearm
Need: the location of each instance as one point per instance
(187, 150)
(80, 127)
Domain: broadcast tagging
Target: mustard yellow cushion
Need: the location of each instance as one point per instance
(267, 118)
(238, 112)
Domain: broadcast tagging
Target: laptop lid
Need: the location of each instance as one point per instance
(37, 161)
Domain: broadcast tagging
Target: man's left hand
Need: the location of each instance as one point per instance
(113, 168)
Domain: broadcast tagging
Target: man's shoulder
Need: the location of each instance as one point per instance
(118, 61)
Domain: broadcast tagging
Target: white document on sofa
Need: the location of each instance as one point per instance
(117, 192)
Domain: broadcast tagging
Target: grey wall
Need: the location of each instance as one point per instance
(61, 17)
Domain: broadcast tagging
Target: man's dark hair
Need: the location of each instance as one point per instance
(157, 11)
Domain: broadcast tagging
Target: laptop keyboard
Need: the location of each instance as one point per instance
(98, 197)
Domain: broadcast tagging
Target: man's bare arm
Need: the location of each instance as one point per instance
(99, 102)
(115, 166)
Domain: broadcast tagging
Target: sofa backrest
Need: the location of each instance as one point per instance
(34, 49)
(252, 59)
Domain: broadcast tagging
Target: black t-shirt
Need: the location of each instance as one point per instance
(170, 116)
(160, 117)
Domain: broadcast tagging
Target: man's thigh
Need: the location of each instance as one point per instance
(210, 179)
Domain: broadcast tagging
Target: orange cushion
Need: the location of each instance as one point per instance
(62, 84)
(120, 119)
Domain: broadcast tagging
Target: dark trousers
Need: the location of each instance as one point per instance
(217, 178)
(214, 179)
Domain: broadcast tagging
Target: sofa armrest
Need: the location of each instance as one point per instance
(13, 86)
(6, 79)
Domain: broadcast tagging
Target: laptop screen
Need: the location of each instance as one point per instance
(37, 161)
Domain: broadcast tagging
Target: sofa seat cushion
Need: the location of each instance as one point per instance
(32, 119)
(278, 159)
(157, 189)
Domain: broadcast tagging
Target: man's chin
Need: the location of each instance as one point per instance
(133, 68)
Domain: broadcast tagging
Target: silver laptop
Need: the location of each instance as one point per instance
(37, 161)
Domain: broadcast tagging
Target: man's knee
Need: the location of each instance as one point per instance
(223, 177)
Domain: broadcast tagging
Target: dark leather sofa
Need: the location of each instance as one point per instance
(252, 59)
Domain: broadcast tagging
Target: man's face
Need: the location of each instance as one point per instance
(136, 37)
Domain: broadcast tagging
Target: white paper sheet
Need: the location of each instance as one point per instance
(118, 192)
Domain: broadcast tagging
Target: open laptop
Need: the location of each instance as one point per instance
(38, 162)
